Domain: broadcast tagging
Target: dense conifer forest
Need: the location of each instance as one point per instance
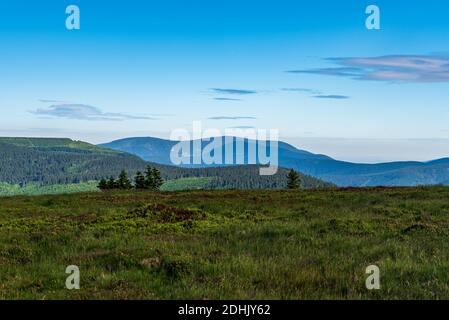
(63, 161)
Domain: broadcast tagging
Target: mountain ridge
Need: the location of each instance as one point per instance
(342, 173)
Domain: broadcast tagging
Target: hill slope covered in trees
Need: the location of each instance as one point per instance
(341, 173)
(44, 162)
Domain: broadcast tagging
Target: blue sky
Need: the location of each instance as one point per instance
(310, 69)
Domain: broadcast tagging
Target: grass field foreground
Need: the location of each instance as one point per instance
(227, 244)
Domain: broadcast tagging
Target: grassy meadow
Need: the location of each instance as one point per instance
(6, 189)
(227, 244)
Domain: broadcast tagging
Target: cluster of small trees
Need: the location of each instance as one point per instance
(151, 179)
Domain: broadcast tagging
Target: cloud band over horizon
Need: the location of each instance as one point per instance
(84, 112)
(390, 68)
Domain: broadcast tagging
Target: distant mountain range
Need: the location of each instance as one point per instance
(47, 161)
(341, 173)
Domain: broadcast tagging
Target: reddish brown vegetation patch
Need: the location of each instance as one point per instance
(167, 214)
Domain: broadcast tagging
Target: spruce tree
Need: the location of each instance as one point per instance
(139, 181)
(103, 184)
(111, 184)
(149, 180)
(157, 179)
(293, 180)
(123, 181)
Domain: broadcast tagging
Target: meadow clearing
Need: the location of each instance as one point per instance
(228, 244)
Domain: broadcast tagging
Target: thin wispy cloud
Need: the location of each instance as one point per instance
(316, 94)
(51, 101)
(331, 96)
(231, 118)
(160, 115)
(233, 91)
(392, 68)
(84, 112)
(227, 99)
(301, 90)
(242, 127)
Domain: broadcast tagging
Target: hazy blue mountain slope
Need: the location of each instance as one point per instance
(405, 173)
(150, 149)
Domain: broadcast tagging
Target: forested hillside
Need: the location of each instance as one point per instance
(46, 162)
(341, 173)
(60, 165)
(247, 177)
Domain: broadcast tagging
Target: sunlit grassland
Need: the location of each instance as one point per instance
(35, 189)
(227, 244)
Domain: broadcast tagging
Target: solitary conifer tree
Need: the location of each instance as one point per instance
(293, 180)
